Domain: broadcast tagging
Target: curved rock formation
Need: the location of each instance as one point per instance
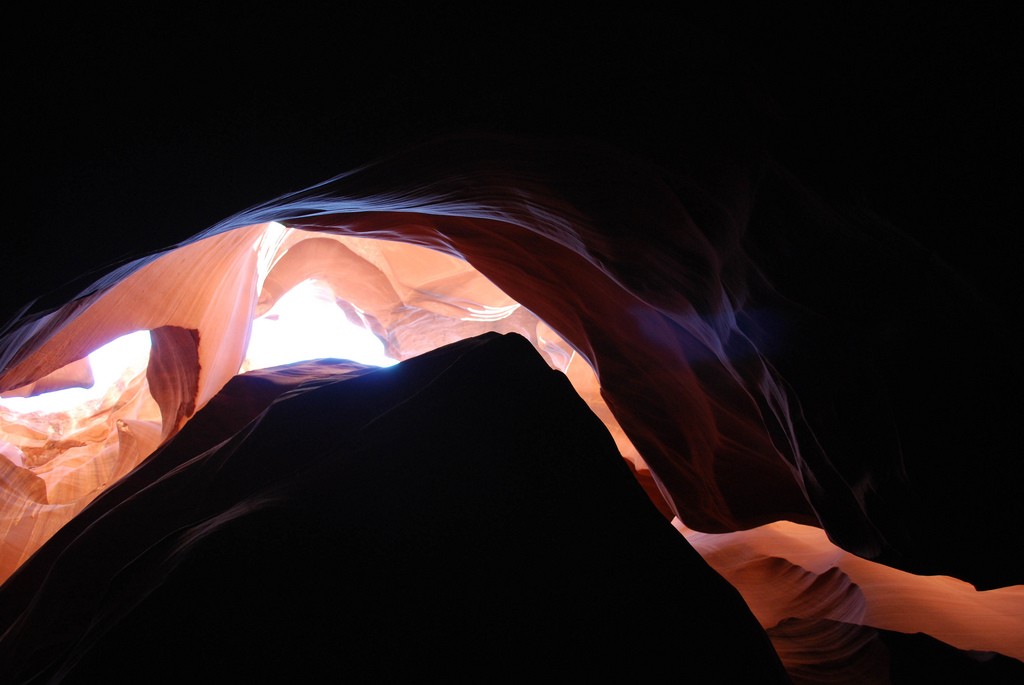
(733, 383)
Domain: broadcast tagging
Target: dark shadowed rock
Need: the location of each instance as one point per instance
(463, 513)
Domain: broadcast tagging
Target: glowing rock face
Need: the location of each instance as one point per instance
(307, 323)
(413, 298)
(600, 266)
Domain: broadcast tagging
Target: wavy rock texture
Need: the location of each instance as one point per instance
(733, 382)
(379, 523)
(821, 605)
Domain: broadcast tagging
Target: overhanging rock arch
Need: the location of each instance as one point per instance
(598, 248)
(570, 239)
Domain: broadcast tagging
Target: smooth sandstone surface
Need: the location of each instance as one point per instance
(732, 401)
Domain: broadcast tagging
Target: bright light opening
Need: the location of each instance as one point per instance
(306, 323)
(121, 358)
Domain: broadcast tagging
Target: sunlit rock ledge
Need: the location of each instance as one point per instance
(663, 325)
(406, 298)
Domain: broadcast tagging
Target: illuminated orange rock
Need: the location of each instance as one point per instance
(664, 326)
(413, 298)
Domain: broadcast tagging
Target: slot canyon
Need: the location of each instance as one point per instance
(663, 359)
